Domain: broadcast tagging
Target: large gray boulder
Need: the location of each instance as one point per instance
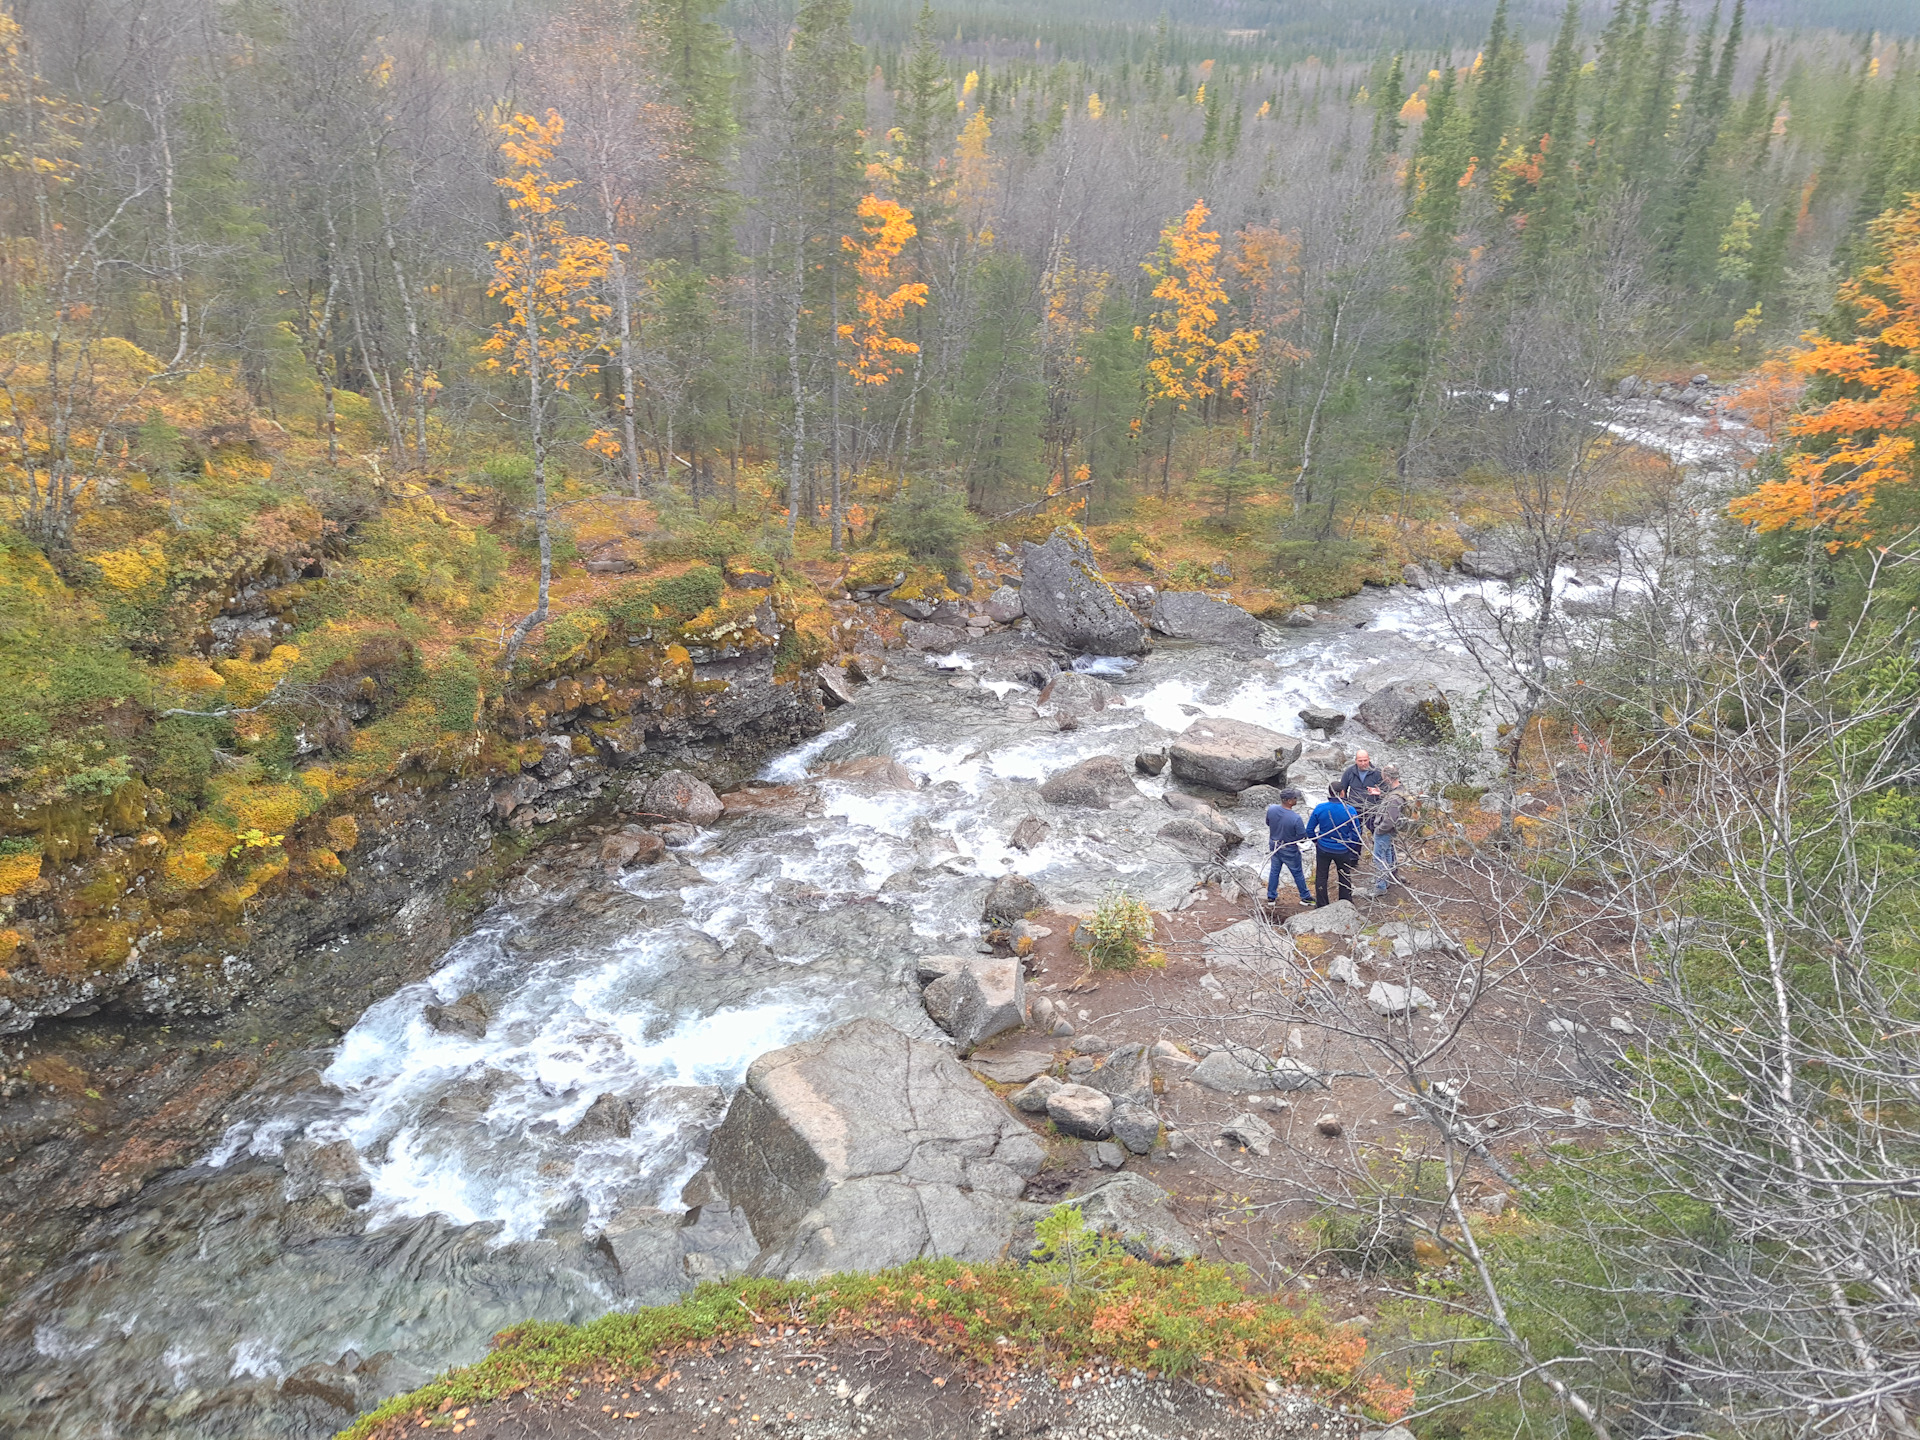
(1414, 712)
(677, 795)
(863, 1149)
(1190, 615)
(985, 997)
(1093, 784)
(1196, 842)
(1070, 602)
(1231, 754)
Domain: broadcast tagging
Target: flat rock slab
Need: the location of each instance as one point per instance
(863, 1149)
(1248, 942)
(1096, 783)
(1190, 615)
(1231, 754)
(1014, 1068)
(1339, 918)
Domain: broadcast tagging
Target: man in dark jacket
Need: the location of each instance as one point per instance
(1334, 829)
(1363, 784)
(1285, 831)
(1388, 816)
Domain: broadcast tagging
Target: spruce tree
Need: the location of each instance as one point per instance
(1493, 91)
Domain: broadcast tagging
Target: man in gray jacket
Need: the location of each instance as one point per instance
(1388, 813)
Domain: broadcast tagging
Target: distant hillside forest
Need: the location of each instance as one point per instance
(393, 313)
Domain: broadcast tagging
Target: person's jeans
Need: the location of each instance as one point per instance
(1384, 861)
(1289, 856)
(1340, 860)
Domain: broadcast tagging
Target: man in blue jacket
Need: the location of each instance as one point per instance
(1334, 828)
(1285, 831)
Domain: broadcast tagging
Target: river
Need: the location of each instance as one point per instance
(224, 1302)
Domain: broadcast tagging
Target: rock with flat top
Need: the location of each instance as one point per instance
(1097, 783)
(1231, 754)
(1070, 602)
(1081, 1111)
(1190, 615)
(1392, 1000)
(1338, 918)
(1249, 1132)
(1015, 1067)
(872, 772)
(985, 997)
(1139, 1213)
(1028, 833)
(469, 1016)
(1070, 692)
(862, 1149)
(1033, 1097)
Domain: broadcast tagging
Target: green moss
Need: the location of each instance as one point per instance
(675, 600)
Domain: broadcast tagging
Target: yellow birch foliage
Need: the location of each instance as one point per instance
(545, 276)
(888, 226)
(1862, 439)
(1189, 361)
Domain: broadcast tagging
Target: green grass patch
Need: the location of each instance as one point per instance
(1082, 1296)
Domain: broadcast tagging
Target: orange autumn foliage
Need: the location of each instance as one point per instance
(888, 227)
(1188, 361)
(545, 276)
(1850, 446)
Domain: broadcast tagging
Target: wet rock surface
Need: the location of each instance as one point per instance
(864, 1149)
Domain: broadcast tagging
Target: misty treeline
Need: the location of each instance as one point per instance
(913, 261)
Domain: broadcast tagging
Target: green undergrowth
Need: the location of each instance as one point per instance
(1081, 1296)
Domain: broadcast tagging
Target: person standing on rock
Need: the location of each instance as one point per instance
(1387, 818)
(1285, 831)
(1335, 831)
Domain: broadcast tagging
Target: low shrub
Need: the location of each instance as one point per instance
(1122, 931)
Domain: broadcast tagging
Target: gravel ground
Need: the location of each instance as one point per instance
(797, 1388)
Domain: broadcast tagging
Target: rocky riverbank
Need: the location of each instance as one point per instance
(524, 1116)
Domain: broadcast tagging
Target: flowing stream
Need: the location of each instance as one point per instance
(224, 1303)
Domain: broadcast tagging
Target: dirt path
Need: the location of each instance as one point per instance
(796, 1388)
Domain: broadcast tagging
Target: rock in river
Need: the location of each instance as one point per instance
(1412, 711)
(1190, 615)
(863, 1149)
(1094, 784)
(1070, 602)
(1231, 754)
(677, 795)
